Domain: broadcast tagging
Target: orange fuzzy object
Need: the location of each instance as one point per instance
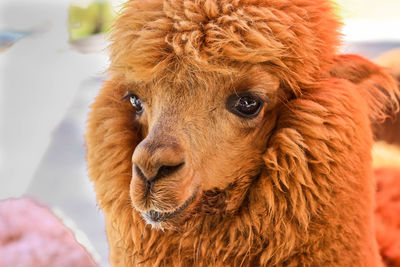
(185, 181)
(388, 214)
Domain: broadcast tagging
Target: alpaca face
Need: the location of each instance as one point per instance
(203, 77)
(186, 129)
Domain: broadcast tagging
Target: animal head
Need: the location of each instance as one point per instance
(199, 92)
(205, 132)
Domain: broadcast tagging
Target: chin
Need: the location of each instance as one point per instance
(171, 219)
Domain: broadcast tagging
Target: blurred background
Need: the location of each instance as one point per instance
(52, 62)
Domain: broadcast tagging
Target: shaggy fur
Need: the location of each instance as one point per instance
(293, 187)
(389, 131)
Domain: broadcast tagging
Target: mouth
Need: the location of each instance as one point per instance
(155, 217)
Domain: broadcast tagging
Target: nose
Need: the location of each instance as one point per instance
(156, 159)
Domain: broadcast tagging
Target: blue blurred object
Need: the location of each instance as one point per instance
(8, 38)
(370, 49)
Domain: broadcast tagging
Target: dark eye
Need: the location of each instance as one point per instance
(244, 105)
(135, 101)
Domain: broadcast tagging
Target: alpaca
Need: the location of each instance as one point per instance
(231, 133)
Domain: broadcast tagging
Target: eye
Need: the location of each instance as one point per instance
(135, 101)
(244, 105)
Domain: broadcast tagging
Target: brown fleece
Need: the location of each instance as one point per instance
(291, 187)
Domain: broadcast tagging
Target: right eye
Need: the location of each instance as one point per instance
(135, 101)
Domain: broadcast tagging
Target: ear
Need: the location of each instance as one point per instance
(379, 89)
(389, 131)
(111, 138)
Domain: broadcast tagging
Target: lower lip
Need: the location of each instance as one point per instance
(158, 217)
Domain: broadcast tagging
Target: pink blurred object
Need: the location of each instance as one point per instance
(31, 236)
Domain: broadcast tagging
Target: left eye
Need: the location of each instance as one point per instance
(245, 105)
(135, 101)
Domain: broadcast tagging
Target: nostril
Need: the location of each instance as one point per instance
(149, 182)
(165, 170)
(140, 174)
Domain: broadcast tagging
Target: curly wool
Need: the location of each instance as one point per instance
(313, 203)
(164, 36)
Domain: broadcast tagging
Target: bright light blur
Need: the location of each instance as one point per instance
(370, 9)
(370, 20)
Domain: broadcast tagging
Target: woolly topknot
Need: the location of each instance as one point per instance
(296, 38)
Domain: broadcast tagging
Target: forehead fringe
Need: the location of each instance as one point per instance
(295, 38)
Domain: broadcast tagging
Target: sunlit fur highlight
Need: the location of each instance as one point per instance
(312, 204)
